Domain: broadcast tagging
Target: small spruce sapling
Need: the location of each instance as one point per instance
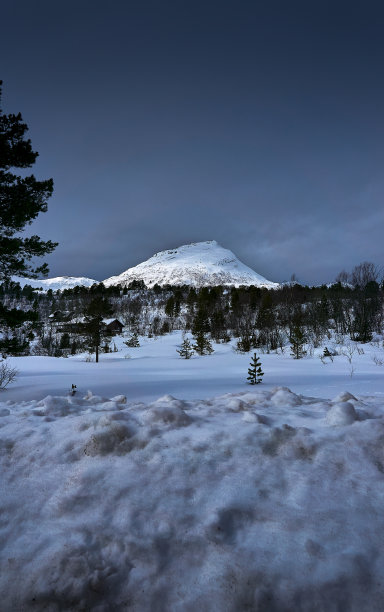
(327, 353)
(255, 373)
(185, 351)
(133, 341)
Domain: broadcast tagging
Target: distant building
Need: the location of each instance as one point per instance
(114, 326)
(61, 315)
(74, 325)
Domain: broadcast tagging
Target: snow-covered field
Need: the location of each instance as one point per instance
(155, 369)
(228, 498)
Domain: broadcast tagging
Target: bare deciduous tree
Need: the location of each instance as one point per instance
(7, 374)
(342, 277)
(363, 274)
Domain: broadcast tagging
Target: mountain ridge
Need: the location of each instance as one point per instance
(198, 264)
(57, 283)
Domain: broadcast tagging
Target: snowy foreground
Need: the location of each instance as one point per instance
(260, 499)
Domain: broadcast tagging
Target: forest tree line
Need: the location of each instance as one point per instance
(55, 323)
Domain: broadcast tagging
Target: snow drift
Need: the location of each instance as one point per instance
(260, 500)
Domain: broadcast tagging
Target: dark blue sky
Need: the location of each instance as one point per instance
(257, 124)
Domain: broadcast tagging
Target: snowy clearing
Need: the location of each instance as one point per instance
(155, 369)
(261, 498)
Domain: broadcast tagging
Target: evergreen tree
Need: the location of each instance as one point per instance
(218, 326)
(93, 327)
(14, 346)
(22, 198)
(297, 340)
(170, 307)
(201, 323)
(255, 373)
(65, 341)
(266, 315)
(12, 324)
(177, 308)
(133, 341)
(327, 353)
(202, 344)
(243, 344)
(21, 201)
(186, 350)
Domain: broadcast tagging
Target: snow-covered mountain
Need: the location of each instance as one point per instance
(56, 284)
(198, 264)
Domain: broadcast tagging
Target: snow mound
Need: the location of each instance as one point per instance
(167, 410)
(198, 264)
(115, 438)
(247, 501)
(342, 413)
(284, 397)
(345, 396)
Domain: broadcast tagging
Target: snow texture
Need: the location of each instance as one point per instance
(198, 264)
(260, 500)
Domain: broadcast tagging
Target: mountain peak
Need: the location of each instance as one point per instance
(197, 264)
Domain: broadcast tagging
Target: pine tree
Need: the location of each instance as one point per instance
(22, 198)
(255, 373)
(243, 345)
(186, 350)
(93, 327)
(201, 322)
(133, 341)
(170, 307)
(202, 344)
(297, 340)
(65, 341)
(327, 353)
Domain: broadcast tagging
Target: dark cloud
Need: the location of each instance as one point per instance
(258, 124)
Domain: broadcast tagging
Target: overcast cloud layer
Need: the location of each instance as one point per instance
(257, 124)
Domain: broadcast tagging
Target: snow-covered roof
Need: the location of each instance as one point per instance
(109, 321)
